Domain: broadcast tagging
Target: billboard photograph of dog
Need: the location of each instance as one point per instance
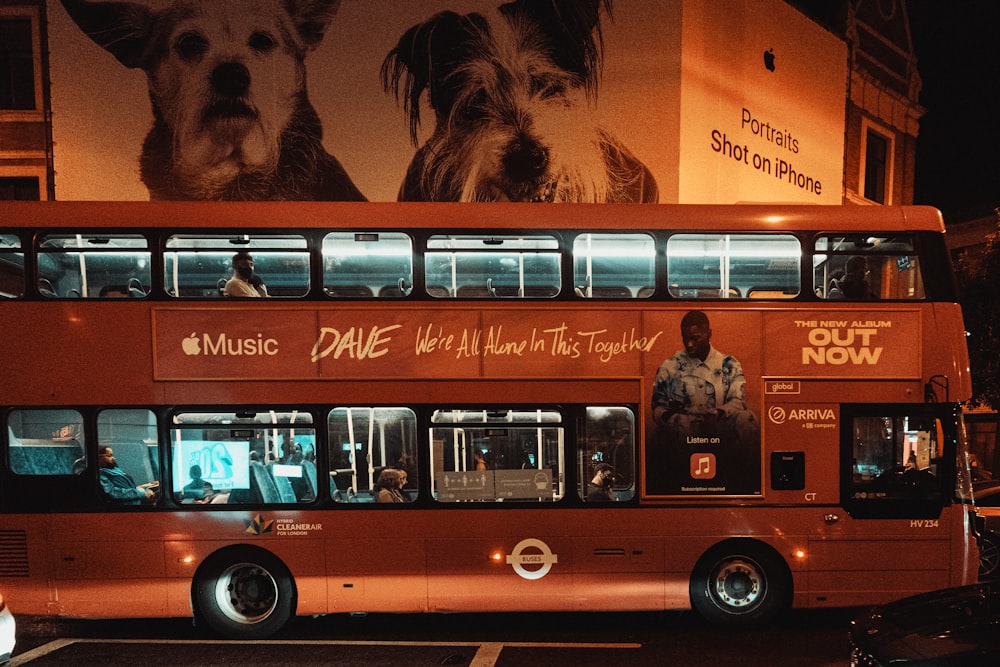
(454, 100)
(513, 100)
(227, 82)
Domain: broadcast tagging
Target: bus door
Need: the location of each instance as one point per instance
(893, 531)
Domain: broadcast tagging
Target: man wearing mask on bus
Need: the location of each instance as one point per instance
(244, 283)
(117, 485)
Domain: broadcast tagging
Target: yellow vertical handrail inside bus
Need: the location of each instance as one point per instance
(454, 274)
(724, 257)
(83, 266)
(368, 450)
(352, 458)
(383, 454)
(520, 271)
(175, 278)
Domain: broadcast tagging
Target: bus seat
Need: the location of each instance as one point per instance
(392, 291)
(133, 458)
(350, 292)
(135, 288)
(48, 459)
(282, 485)
(220, 286)
(307, 489)
(645, 292)
(474, 292)
(610, 292)
(438, 291)
(46, 288)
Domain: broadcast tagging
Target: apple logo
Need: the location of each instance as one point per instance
(190, 345)
(769, 59)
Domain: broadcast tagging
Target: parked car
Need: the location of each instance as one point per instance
(6, 632)
(987, 498)
(947, 628)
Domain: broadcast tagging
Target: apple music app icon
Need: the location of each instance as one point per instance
(703, 465)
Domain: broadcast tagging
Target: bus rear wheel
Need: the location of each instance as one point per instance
(740, 583)
(244, 592)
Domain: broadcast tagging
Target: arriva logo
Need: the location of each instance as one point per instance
(227, 346)
(778, 414)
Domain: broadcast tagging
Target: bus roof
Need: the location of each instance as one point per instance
(411, 215)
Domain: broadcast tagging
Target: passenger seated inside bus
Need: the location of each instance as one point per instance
(115, 292)
(118, 486)
(390, 486)
(854, 284)
(833, 290)
(244, 283)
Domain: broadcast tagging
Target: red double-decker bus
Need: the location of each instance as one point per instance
(244, 412)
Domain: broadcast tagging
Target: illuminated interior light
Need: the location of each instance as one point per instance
(187, 560)
(799, 553)
(496, 556)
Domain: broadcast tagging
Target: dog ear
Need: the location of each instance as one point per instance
(574, 29)
(425, 57)
(312, 17)
(122, 28)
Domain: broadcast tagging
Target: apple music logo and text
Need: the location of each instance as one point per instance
(224, 345)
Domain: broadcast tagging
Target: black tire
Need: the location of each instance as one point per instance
(244, 592)
(740, 583)
(989, 555)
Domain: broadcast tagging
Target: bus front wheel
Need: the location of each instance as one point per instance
(740, 583)
(244, 592)
(989, 555)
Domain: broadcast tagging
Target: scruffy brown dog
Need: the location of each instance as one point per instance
(227, 82)
(513, 96)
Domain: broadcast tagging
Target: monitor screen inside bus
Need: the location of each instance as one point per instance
(224, 465)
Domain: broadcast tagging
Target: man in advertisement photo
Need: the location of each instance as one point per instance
(707, 437)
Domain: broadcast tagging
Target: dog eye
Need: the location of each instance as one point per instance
(476, 107)
(190, 46)
(546, 87)
(261, 42)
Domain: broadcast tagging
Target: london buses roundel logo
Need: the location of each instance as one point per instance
(532, 553)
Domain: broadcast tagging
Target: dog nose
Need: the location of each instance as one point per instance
(525, 159)
(231, 79)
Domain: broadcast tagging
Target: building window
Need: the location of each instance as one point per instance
(17, 69)
(876, 166)
(23, 188)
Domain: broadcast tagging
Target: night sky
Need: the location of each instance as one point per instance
(958, 148)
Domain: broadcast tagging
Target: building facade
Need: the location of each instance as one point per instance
(881, 106)
(26, 165)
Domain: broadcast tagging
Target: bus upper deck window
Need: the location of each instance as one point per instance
(864, 267)
(367, 264)
(94, 265)
(491, 267)
(733, 266)
(205, 266)
(11, 267)
(614, 266)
